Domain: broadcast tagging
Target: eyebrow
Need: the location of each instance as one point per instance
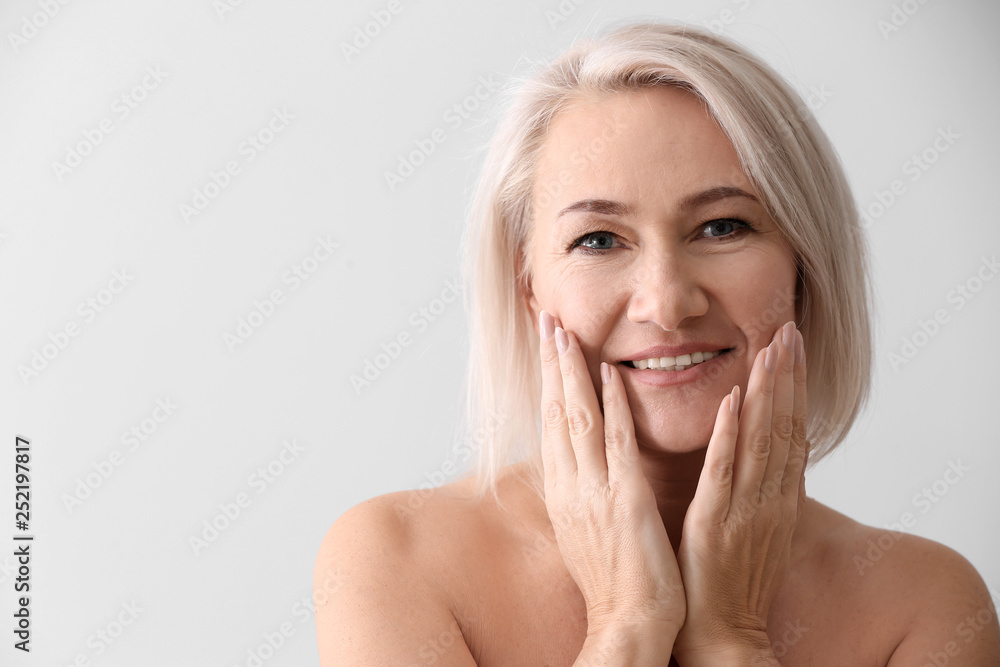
(609, 207)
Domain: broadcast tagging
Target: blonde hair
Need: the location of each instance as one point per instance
(785, 154)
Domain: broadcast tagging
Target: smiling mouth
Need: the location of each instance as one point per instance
(680, 363)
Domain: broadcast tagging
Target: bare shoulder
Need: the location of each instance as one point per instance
(923, 594)
(376, 602)
(941, 599)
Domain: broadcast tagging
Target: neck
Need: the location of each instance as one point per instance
(674, 480)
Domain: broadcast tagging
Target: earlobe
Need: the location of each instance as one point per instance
(527, 295)
(533, 306)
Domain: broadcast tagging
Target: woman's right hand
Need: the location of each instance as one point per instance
(602, 508)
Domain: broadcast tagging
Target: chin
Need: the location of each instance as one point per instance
(662, 440)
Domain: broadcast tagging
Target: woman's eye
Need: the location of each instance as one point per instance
(604, 241)
(597, 243)
(725, 227)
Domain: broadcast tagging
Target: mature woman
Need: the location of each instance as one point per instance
(663, 241)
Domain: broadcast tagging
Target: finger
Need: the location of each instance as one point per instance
(622, 450)
(714, 493)
(753, 445)
(802, 480)
(558, 459)
(793, 482)
(782, 407)
(583, 415)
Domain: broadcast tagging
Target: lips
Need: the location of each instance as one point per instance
(675, 351)
(679, 362)
(672, 377)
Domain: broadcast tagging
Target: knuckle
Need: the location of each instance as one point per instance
(615, 436)
(554, 416)
(742, 515)
(723, 472)
(799, 423)
(610, 399)
(580, 422)
(760, 445)
(772, 487)
(782, 426)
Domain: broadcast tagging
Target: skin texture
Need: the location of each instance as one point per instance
(735, 549)
(672, 266)
(667, 280)
(444, 577)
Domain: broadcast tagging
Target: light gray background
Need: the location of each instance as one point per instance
(162, 337)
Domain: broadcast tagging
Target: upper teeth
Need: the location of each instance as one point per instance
(676, 363)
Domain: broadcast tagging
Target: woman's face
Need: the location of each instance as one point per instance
(651, 193)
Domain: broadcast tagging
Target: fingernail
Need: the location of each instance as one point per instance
(787, 333)
(605, 372)
(771, 358)
(545, 325)
(800, 348)
(734, 400)
(562, 342)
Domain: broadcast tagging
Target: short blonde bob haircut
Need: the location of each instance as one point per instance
(784, 153)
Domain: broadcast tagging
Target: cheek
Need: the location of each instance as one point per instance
(582, 300)
(762, 305)
(585, 303)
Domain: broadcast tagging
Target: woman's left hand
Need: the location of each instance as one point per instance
(737, 534)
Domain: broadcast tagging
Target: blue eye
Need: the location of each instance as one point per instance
(725, 223)
(591, 250)
(730, 229)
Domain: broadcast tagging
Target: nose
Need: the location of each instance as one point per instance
(665, 290)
